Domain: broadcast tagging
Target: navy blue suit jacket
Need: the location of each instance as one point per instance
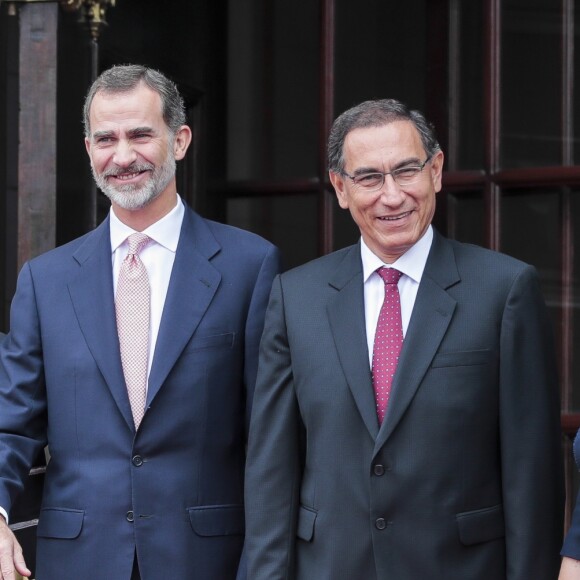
(173, 490)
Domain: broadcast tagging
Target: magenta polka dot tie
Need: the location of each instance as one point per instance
(388, 341)
(133, 308)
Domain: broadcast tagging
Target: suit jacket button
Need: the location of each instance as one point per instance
(379, 469)
(380, 524)
(137, 461)
(130, 516)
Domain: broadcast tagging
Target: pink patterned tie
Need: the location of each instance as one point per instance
(133, 303)
(388, 340)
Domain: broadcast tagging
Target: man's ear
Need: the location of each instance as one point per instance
(181, 142)
(338, 183)
(437, 170)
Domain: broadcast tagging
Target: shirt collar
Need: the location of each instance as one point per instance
(165, 232)
(411, 263)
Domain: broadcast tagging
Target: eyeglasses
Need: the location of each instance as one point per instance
(403, 176)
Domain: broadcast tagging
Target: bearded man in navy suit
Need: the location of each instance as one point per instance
(161, 497)
(462, 478)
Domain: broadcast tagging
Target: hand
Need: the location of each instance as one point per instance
(570, 569)
(11, 558)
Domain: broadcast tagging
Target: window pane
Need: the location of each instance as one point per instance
(380, 52)
(531, 83)
(465, 85)
(575, 303)
(345, 231)
(273, 112)
(466, 218)
(290, 222)
(576, 80)
(530, 231)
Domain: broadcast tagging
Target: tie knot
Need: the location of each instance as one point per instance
(389, 275)
(137, 242)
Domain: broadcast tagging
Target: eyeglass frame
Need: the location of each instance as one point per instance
(384, 175)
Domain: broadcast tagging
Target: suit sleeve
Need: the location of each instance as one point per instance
(571, 547)
(530, 435)
(270, 267)
(22, 392)
(273, 468)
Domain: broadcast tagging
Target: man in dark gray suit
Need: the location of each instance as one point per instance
(462, 479)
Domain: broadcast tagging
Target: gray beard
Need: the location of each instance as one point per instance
(131, 197)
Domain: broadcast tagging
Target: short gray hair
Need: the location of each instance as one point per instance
(125, 78)
(376, 114)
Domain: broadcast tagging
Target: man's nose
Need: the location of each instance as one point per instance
(391, 191)
(124, 153)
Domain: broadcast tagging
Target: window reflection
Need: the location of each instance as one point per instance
(465, 150)
(465, 217)
(273, 86)
(531, 83)
(290, 222)
(381, 52)
(574, 313)
(530, 226)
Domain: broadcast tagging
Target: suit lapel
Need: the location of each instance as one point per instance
(193, 284)
(431, 316)
(347, 321)
(92, 297)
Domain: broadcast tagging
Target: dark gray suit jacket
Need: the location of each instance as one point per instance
(464, 478)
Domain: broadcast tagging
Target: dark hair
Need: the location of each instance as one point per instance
(125, 78)
(375, 114)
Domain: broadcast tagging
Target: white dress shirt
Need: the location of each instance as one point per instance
(411, 264)
(157, 257)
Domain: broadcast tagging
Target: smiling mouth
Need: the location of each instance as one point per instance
(128, 173)
(394, 218)
(127, 176)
